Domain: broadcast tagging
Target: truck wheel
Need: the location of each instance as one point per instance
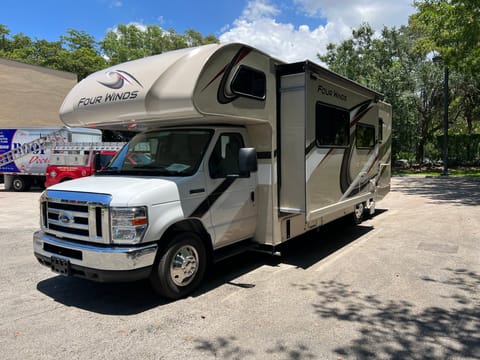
(358, 213)
(19, 183)
(179, 268)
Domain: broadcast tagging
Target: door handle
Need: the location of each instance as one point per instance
(197, 191)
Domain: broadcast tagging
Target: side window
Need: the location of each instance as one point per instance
(365, 136)
(380, 130)
(332, 126)
(250, 83)
(224, 158)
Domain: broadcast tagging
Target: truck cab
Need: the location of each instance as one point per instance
(75, 164)
(190, 188)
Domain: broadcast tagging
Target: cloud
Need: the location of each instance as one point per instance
(116, 3)
(258, 25)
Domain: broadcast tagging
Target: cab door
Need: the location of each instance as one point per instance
(232, 197)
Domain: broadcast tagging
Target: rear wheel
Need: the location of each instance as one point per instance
(20, 183)
(180, 267)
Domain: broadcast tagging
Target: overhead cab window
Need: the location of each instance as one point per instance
(332, 126)
(249, 82)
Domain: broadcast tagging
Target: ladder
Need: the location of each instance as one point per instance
(100, 146)
(32, 146)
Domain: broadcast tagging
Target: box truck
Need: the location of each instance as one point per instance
(25, 152)
(237, 149)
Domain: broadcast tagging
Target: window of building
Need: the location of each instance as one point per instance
(332, 126)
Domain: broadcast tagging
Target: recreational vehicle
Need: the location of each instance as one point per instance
(234, 149)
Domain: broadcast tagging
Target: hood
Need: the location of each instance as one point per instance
(124, 190)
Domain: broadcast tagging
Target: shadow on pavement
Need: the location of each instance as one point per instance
(461, 190)
(136, 297)
(395, 329)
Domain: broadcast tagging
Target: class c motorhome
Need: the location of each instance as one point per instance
(234, 148)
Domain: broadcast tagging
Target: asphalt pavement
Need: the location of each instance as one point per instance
(404, 284)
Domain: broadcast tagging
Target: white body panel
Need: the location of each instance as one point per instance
(322, 143)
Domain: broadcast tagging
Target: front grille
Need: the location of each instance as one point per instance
(70, 219)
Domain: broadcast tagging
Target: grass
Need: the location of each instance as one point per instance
(437, 171)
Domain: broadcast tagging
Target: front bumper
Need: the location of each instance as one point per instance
(98, 263)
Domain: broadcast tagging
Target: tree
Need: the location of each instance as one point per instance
(129, 42)
(452, 28)
(390, 64)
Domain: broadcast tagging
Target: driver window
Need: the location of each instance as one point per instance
(224, 158)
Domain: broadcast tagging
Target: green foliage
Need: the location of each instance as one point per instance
(129, 42)
(78, 52)
(463, 149)
(395, 63)
(452, 28)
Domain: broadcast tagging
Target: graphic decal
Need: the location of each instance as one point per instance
(349, 186)
(118, 78)
(222, 97)
(206, 204)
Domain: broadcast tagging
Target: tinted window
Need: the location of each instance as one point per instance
(365, 136)
(249, 82)
(332, 126)
(224, 158)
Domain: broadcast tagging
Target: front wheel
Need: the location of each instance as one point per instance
(180, 267)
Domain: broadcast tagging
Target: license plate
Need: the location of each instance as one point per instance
(60, 266)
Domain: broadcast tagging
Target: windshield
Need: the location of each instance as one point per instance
(172, 152)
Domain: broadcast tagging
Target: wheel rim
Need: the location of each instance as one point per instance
(184, 265)
(17, 184)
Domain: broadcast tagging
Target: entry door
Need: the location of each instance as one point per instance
(232, 198)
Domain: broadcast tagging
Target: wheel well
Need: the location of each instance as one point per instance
(191, 225)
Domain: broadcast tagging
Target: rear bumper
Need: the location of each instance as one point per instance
(98, 263)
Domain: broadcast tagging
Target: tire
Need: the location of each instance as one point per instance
(358, 213)
(20, 183)
(180, 267)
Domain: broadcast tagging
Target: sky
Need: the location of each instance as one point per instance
(290, 30)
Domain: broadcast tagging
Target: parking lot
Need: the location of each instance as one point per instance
(403, 284)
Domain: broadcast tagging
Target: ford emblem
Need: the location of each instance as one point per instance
(66, 217)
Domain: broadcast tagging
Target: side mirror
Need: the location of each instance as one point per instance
(247, 161)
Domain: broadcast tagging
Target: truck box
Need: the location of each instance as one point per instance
(25, 152)
(236, 149)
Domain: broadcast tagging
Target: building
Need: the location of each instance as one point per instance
(31, 95)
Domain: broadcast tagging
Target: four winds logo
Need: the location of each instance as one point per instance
(118, 79)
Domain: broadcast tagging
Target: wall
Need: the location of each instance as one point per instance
(31, 95)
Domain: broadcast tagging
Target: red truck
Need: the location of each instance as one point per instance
(75, 160)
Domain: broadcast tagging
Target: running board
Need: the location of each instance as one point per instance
(232, 250)
(241, 247)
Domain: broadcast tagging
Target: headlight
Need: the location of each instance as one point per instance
(53, 174)
(128, 224)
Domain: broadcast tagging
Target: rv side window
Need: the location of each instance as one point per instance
(249, 82)
(365, 135)
(332, 126)
(380, 130)
(224, 158)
